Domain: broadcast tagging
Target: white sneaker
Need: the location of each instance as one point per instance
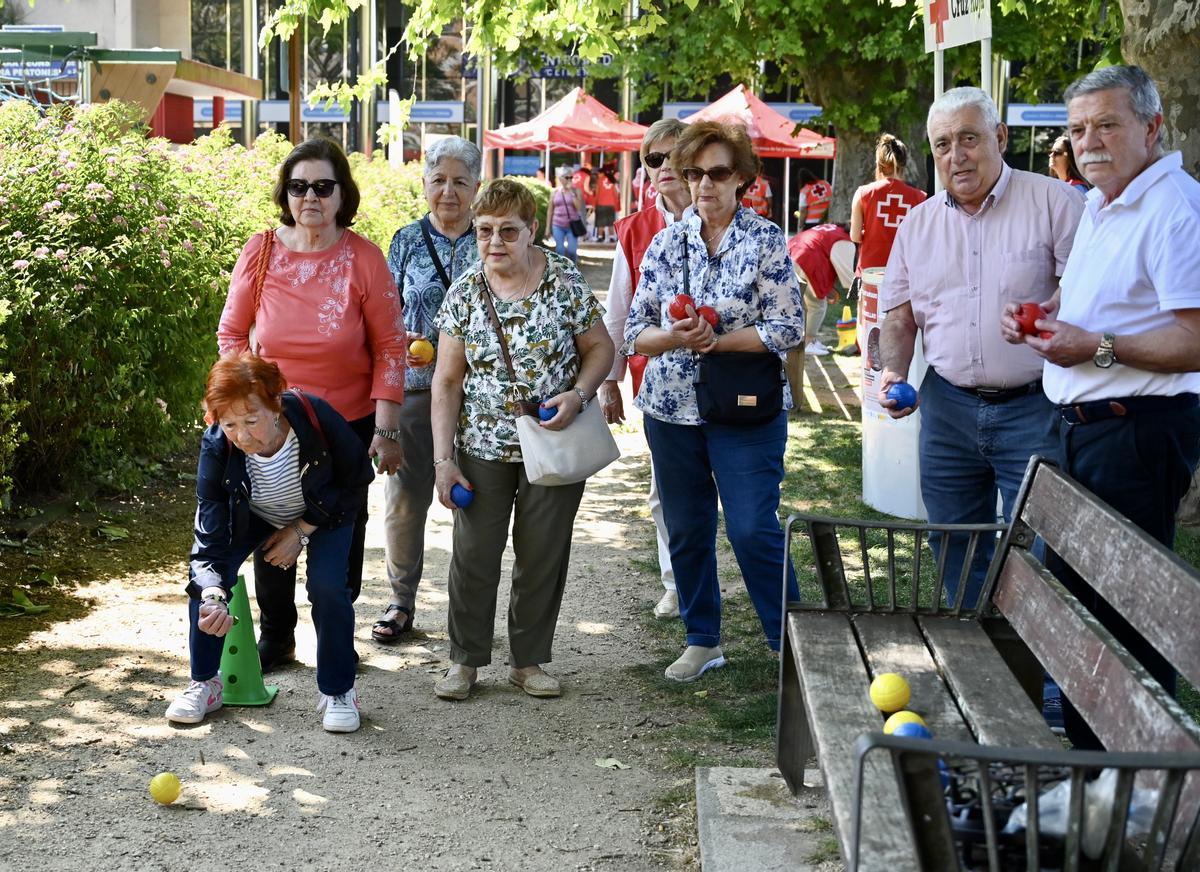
(668, 606)
(694, 662)
(817, 348)
(200, 698)
(341, 712)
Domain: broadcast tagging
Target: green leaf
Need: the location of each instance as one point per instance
(113, 533)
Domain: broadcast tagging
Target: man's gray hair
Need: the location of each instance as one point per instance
(960, 98)
(1143, 93)
(454, 148)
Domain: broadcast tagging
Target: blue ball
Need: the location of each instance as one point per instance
(546, 413)
(912, 731)
(461, 497)
(903, 395)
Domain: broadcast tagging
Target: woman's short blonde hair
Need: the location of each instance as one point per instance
(506, 197)
(701, 134)
(663, 128)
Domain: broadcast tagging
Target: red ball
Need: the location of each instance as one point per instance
(709, 314)
(1028, 316)
(678, 308)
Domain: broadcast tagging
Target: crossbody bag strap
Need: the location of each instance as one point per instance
(307, 405)
(437, 261)
(687, 285)
(512, 372)
(260, 268)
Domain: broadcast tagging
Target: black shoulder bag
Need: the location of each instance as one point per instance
(740, 388)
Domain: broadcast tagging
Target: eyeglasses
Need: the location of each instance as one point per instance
(654, 159)
(323, 188)
(507, 233)
(1054, 153)
(717, 174)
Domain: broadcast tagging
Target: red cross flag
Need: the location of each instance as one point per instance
(956, 22)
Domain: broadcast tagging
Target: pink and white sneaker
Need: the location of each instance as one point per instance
(200, 698)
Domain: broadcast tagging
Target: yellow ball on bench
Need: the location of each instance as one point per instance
(890, 692)
(903, 717)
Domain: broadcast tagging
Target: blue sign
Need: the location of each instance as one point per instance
(551, 67)
(423, 112)
(39, 70)
(1036, 115)
(797, 113)
(521, 165)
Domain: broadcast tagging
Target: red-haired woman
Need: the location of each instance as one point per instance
(283, 471)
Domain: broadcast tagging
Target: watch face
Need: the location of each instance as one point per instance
(1103, 359)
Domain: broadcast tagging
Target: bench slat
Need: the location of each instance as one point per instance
(835, 684)
(1150, 586)
(996, 707)
(1124, 706)
(893, 643)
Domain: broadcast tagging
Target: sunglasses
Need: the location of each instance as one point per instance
(655, 159)
(1057, 153)
(717, 174)
(506, 234)
(321, 187)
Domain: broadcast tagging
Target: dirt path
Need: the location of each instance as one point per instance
(501, 781)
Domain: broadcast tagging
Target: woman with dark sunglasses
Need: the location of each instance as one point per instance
(744, 298)
(318, 299)
(1063, 166)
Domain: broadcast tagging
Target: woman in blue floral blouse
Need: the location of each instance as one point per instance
(560, 353)
(423, 271)
(738, 265)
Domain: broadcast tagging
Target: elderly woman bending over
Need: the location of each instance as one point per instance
(425, 258)
(560, 353)
(738, 264)
(279, 471)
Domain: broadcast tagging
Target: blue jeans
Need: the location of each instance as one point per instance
(328, 591)
(969, 449)
(565, 242)
(693, 464)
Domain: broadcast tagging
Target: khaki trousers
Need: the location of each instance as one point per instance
(541, 536)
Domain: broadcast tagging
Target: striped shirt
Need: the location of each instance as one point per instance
(275, 494)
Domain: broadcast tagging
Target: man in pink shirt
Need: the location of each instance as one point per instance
(994, 236)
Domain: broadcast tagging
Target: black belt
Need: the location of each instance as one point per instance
(998, 395)
(1102, 410)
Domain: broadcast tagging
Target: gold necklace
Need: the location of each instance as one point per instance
(529, 276)
(708, 240)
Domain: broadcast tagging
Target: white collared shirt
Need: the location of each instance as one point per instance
(1135, 261)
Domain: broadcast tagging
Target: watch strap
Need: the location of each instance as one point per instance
(394, 435)
(583, 398)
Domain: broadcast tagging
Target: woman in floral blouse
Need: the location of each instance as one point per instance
(738, 264)
(560, 353)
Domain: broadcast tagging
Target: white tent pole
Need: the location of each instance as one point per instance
(787, 195)
(939, 86)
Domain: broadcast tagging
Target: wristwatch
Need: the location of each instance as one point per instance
(583, 399)
(394, 435)
(1105, 355)
(301, 535)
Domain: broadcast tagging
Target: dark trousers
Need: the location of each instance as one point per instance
(333, 613)
(696, 464)
(275, 588)
(1141, 465)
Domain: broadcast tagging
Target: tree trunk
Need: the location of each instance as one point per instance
(1163, 37)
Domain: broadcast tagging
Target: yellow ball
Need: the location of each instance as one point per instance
(164, 787)
(422, 350)
(889, 726)
(890, 692)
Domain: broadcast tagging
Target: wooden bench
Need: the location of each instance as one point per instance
(877, 605)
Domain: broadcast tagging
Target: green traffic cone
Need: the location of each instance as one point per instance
(240, 668)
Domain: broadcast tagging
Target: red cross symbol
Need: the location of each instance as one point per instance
(939, 12)
(892, 210)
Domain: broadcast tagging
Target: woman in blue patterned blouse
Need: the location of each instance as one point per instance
(738, 264)
(451, 181)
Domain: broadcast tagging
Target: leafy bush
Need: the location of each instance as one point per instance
(541, 193)
(115, 256)
(391, 198)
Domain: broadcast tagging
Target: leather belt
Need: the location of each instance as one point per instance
(1101, 410)
(1003, 395)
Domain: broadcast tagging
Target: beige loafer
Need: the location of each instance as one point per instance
(667, 607)
(694, 662)
(456, 683)
(535, 682)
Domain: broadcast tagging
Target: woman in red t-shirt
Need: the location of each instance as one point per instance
(878, 208)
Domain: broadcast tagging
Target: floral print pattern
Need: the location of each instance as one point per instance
(420, 286)
(540, 330)
(333, 272)
(749, 281)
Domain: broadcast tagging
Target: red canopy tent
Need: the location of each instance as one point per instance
(770, 132)
(577, 122)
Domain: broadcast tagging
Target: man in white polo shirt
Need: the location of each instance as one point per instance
(994, 236)
(1124, 350)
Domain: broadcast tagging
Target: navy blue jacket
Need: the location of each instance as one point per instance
(334, 475)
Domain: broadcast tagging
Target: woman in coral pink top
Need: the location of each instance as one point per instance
(318, 299)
